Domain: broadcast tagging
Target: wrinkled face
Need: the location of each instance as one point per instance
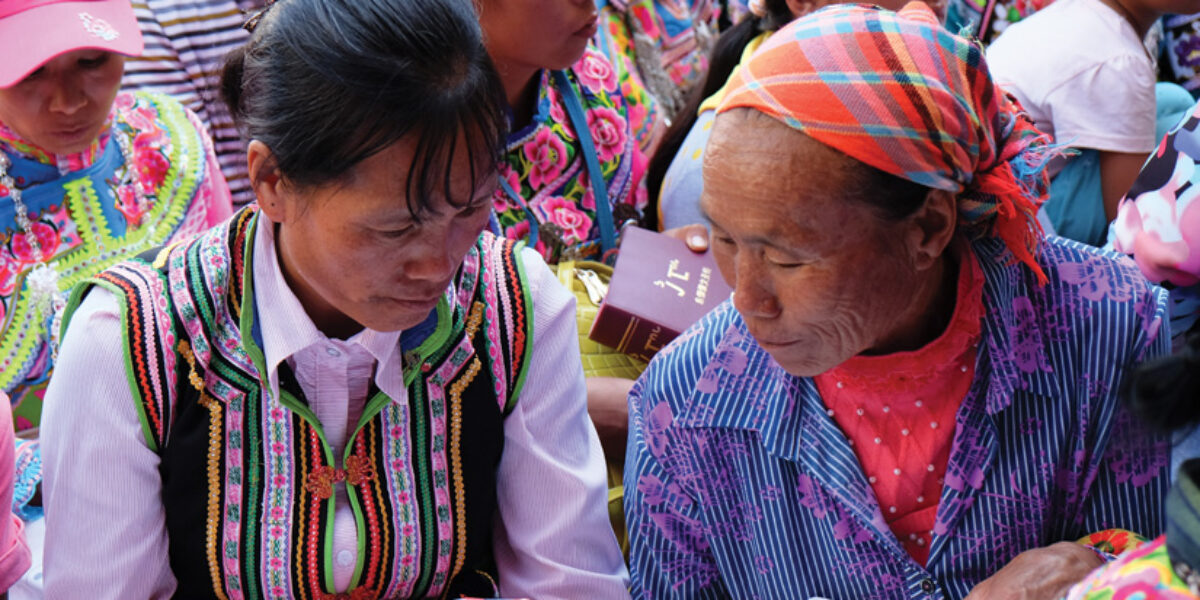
(355, 256)
(63, 106)
(543, 34)
(818, 277)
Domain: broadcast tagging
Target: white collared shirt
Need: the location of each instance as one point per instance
(552, 538)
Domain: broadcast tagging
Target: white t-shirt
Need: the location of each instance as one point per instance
(1079, 69)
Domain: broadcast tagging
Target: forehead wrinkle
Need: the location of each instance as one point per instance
(800, 187)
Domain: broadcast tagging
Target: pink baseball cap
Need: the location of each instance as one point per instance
(35, 31)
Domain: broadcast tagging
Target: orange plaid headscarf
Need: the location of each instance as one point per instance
(899, 92)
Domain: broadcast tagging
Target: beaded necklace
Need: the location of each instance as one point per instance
(44, 277)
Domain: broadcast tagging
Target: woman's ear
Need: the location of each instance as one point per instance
(933, 227)
(266, 181)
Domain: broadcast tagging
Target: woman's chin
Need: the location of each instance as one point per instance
(793, 358)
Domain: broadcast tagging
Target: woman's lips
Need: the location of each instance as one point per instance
(70, 132)
(589, 29)
(418, 302)
(770, 345)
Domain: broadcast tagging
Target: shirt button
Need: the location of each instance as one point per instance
(927, 586)
(330, 350)
(344, 558)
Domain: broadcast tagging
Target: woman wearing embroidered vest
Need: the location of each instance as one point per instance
(70, 203)
(348, 392)
(912, 393)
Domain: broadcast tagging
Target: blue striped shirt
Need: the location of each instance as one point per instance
(740, 485)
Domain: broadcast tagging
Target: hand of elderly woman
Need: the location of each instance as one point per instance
(1039, 574)
(694, 235)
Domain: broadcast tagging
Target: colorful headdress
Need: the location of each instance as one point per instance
(899, 92)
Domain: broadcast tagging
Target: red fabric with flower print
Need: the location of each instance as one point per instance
(898, 412)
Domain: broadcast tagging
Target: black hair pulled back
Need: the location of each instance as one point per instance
(326, 84)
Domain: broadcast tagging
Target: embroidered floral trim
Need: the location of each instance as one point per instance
(213, 467)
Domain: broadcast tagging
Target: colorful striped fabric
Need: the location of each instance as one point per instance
(902, 94)
(186, 45)
(740, 485)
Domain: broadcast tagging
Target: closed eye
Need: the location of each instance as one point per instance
(394, 233)
(94, 62)
(785, 264)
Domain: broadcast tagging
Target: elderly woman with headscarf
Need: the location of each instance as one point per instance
(911, 392)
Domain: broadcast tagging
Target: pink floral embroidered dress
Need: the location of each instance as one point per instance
(88, 211)
(545, 164)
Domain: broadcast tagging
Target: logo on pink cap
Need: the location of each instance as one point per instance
(99, 27)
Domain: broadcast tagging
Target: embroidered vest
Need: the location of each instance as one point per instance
(90, 219)
(248, 479)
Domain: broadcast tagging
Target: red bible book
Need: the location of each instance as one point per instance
(658, 289)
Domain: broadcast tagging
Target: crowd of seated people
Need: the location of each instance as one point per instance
(287, 306)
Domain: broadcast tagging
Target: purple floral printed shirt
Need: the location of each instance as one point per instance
(740, 485)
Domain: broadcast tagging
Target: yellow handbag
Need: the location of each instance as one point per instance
(588, 280)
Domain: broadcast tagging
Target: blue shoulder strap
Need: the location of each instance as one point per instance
(608, 234)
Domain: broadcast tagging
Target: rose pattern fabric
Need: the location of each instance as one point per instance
(608, 132)
(547, 156)
(595, 72)
(739, 484)
(574, 222)
(545, 165)
(615, 42)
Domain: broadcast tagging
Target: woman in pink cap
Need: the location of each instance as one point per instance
(87, 177)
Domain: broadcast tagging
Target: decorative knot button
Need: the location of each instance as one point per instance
(321, 480)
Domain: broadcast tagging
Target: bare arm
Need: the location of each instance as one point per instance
(1118, 170)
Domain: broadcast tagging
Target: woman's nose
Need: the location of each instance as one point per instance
(430, 260)
(752, 295)
(68, 97)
